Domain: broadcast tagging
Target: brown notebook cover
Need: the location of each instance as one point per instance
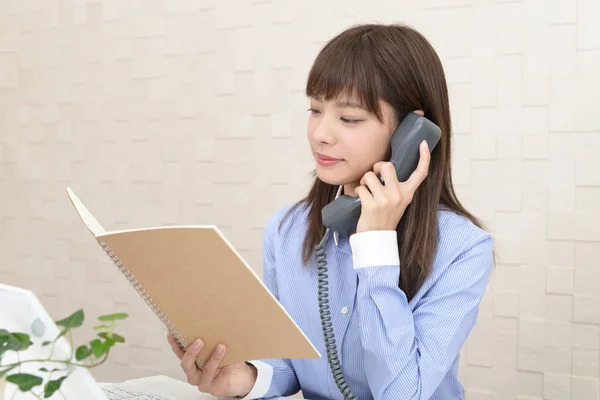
(200, 287)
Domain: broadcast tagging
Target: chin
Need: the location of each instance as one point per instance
(331, 177)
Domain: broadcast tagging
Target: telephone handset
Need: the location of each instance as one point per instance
(342, 214)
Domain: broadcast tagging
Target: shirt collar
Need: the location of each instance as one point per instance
(335, 234)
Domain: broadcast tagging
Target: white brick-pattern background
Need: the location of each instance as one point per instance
(192, 112)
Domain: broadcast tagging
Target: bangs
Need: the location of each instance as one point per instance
(346, 69)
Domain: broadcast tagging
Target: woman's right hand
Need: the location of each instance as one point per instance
(230, 381)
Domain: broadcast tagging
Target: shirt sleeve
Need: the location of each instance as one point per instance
(276, 377)
(407, 353)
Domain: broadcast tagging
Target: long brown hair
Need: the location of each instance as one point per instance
(397, 64)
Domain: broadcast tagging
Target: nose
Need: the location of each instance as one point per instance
(323, 130)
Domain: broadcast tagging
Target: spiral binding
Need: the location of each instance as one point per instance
(331, 348)
(144, 295)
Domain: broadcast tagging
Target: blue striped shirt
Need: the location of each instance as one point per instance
(389, 348)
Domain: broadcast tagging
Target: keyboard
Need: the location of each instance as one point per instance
(123, 391)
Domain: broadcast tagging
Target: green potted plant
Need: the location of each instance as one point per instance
(55, 370)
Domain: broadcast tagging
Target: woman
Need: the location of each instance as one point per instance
(405, 288)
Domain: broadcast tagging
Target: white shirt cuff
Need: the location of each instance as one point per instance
(374, 248)
(263, 380)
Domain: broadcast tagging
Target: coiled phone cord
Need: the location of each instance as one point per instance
(330, 346)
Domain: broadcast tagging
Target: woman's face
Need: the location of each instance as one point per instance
(342, 130)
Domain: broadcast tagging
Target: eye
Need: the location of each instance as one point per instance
(351, 121)
(314, 111)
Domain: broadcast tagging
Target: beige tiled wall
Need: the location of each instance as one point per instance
(191, 112)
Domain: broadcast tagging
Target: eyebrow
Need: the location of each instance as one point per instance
(350, 104)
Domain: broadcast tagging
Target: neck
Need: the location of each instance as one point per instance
(350, 189)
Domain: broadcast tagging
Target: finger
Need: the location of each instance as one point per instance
(209, 370)
(420, 173)
(175, 346)
(374, 185)
(388, 172)
(188, 362)
(420, 112)
(377, 170)
(366, 198)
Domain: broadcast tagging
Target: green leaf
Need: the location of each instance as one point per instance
(22, 337)
(17, 342)
(113, 317)
(82, 352)
(107, 345)
(97, 347)
(74, 320)
(46, 343)
(43, 369)
(112, 336)
(24, 381)
(52, 386)
(13, 341)
(118, 338)
(97, 327)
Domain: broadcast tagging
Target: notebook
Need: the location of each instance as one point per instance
(198, 286)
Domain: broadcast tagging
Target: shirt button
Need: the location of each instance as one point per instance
(345, 310)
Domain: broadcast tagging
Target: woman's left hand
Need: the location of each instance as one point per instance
(384, 205)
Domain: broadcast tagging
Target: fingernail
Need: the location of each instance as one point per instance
(196, 345)
(424, 142)
(220, 349)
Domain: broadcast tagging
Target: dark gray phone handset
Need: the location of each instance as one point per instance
(342, 214)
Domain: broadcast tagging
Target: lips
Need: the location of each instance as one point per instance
(326, 160)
